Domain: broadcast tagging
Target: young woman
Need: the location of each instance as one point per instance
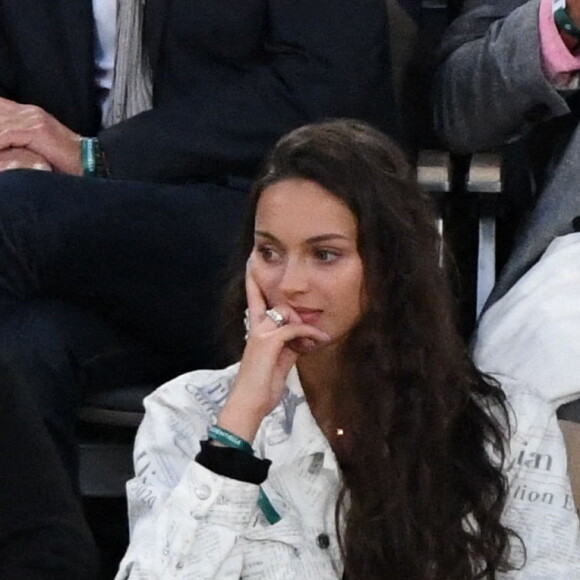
(354, 438)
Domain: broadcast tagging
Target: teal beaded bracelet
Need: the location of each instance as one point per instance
(88, 156)
(229, 439)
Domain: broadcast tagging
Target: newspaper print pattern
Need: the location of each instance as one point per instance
(530, 341)
(190, 523)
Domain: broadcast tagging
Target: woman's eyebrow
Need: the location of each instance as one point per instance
(326, 237)
(266, 235)
(312, 240)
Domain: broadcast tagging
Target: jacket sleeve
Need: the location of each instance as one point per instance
(490, 87)
(6, 68)
(323, 58)
(183, 517)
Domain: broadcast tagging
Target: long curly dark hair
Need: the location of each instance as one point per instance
(424, 486)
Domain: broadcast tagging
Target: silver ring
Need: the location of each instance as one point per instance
(276, 317)
(246, 323)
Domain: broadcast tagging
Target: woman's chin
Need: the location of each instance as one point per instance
(305, 345)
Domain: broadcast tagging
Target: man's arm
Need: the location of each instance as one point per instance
(14, 156)
(323, 58)
(491, 87)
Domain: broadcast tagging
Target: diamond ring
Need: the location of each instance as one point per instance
(276, 317)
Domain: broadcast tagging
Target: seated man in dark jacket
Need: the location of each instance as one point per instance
(149, 122)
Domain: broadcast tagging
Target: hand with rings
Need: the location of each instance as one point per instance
(278, 319)
(272, 313)
(266, 362)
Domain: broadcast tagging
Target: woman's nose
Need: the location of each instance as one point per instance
(294, 277)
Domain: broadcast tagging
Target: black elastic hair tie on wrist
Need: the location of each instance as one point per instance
(233, 463)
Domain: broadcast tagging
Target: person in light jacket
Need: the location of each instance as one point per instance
(355, 437)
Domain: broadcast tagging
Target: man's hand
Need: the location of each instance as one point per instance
(30, 127)
(19, 158)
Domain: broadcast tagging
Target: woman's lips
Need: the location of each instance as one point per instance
(308, 315)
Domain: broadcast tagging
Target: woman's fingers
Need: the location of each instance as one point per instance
(289, 315)
(289, 332)
(258, 314)
(267, 359)
(304, 331)
(256, 302)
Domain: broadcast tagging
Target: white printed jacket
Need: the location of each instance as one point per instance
(190, 523)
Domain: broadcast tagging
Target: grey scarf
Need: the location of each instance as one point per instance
(131, 92)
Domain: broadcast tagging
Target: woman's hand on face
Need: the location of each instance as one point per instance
(266, 362)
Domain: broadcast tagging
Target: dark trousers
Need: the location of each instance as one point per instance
(105, 283)
(43, 535)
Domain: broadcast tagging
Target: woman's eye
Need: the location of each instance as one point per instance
(268, 254)
(325, 255)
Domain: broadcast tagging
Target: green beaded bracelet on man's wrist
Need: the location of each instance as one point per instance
(93, 159)
(88, 156)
